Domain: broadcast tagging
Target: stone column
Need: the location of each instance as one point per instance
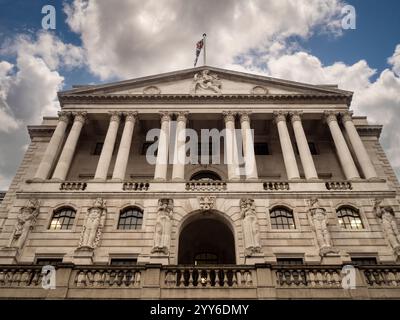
(178, 170)
(163, 145)
(358, 146)
(231, 152)
(124, 146)
(248, 146)
(346, 161)
(108, 147)
(56, 140)
(302, 144)
(286, 144)
(64, 162)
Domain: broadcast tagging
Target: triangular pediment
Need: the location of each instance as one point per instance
(206, 80)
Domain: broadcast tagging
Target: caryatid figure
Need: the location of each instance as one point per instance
(251, 230)
(25, 222)
(389, 224)
(320, 223)
(93, 226)
(162, 237)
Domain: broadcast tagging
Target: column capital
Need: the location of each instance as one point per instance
(80, 116)
(280, 116)
(165, 116)
(295, 115)
(244, 115)
(64, 116)
(182, 116)
(115, 116)
(130, 115)
(229, 115)
(346, 116)
(330, 116)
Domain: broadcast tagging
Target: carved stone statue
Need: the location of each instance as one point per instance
(320, 223)
(389, 224)
(206, 81)
(93, 226)
(207, 202)
(26, 220)
(251, 229)
(162, 237)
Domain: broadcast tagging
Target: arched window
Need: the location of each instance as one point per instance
(63, 219)
(130, 218)
(349, 218)
(205, 174)
(282, 218)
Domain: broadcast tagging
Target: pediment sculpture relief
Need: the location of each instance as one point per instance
(259, 90)
(206, 81)
(152, 90)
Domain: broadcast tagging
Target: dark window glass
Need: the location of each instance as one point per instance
(349, 218)
(146, 146)
(129, 219)
(205, 258)
(123, 262)
(313, 148)
(48, 261)
(261, 149)
(360, 261)
(98, 148)
(63, 219)
(282, 218)
(289, 261)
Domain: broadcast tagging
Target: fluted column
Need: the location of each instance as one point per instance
(64, 162)
(50, 154)
(178, 170)
(108, 146)
(343, 152)
(361, 153)
(163, 146)
(304, 150)
(125, 146)
(289, 158)
(231, 151)
(248, 146)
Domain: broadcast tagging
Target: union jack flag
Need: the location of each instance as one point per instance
(199, 46)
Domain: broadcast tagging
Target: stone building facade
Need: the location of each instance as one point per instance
(301, 188)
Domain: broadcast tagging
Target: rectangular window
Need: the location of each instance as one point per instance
(261, 149)
(362, 261)
(311, 146)
(98, 148)
(48, 261)
(123, 262)
(145, 146)
(289, 261)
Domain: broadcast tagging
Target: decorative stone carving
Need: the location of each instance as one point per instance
(207, 202)
(206, 81)
(251, 230)
(162, 236)
(389, 224)
(152, 90)
(93, 226)
(319, 221)
(259, 90)
(280, 115)
(26, 220)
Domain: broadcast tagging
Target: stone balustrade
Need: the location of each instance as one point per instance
(200, 277)
(214, 281)
(73, 186)
(276, 185)
(206, 186)
(339, 185)
(135, 186)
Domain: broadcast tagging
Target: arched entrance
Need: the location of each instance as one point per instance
(206, 240)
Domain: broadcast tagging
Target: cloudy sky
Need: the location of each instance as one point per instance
(101, 40)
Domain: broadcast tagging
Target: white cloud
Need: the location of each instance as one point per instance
(134, 38)
(394, 60)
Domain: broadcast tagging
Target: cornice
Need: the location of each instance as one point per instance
(369, 130)
(202, 99)
(41, 131)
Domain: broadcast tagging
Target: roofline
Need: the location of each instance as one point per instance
(180, 73)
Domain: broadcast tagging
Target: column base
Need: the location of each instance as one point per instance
(8, 255)
(83, 256)
(178, 180)
(99, 179)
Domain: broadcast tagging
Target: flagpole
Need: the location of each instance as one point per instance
(204, 49)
